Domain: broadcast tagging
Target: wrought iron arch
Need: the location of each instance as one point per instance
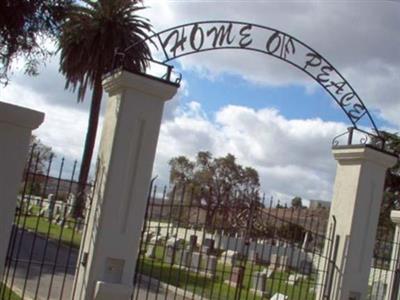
(205, 36)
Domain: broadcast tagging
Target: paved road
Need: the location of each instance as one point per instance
(45, 271)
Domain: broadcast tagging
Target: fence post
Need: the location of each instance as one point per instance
(357, 196)
(16, 125)
(393, 281)
(125, 161)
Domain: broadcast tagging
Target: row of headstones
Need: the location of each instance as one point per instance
(55, 211)
(230, 257)
(259, 279)
(279, 262)
(203, 262)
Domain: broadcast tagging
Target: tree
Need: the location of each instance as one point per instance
(39, 157)
(391, 196)
(24, 24)
(37, 162)
(221, 187)
(297, 202)
(90, 35)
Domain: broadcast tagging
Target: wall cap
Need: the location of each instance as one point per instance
(356, 154)
(20, 116)
(121, 80)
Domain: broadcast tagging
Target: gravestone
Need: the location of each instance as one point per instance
(237, 276)
(279, 296)
(187, 258)
(208, 246)
(230, 257)
(195, 262)
(259, 282)
(305, 267)
(71, 201)
(170, 255)
(378, 290)
(51, 204)
(192, 243)
(211, 265)
(151, 251)
(295, 278)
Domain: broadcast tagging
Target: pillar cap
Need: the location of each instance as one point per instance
(395, 216)
(357, 153)
(20, 116)
(123, 80)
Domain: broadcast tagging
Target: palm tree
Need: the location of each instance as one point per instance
(90, 35)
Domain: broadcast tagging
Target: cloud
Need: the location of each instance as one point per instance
(293, 157)
(360, 40)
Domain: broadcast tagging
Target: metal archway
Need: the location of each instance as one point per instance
(205, 36)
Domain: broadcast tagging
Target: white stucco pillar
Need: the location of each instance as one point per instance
(357, 196)
(16, 125)
(393, 280)
(127, 149)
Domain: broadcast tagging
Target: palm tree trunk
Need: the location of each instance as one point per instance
(89, 146)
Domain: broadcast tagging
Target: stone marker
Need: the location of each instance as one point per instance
(294, 278)
(211, 265)
(237, 276)
(51, 203)
(192, 242)
(305, 267)
(151, 251)
(259, 282)
(378, 290)
(170, 255)
(195, 262)
(208, 246)
(230, 257)
(279, 296)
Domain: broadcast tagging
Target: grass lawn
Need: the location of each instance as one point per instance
(216, 288)
(68, 236)
(7, 295)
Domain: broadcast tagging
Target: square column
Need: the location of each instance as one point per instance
(16, 125)
(357, 197)
(125, 162)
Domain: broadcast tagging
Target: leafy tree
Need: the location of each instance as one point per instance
(37, 162)
(297, 202)
(24, 24)
(220, 187)
(91, 33)
(391, 197)
(292, 232)
(39, 156)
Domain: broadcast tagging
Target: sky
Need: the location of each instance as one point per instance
(267, 113)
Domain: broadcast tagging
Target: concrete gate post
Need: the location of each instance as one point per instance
(126, 155)
(357, 196)
(16, 125)
(393, 280)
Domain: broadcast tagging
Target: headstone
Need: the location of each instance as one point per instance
(51, 203)
(187, 258)
(211, 265)
(279, 296)
(237, 275)
(192, 242)
(151, 251)
(294, 278)
(71, 201)
(259, 282)
(170, 255)
(305, 267)
(378, 290)
(208, 246)
(230, 257)
(195, 262)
